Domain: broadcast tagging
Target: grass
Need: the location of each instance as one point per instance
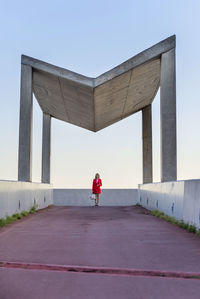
(24, 213)
(180, 223)
(2, 222)
(17, 216)
(33, 209)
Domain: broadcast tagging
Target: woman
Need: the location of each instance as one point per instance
(96, 188)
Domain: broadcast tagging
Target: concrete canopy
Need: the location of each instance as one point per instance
(95, 103)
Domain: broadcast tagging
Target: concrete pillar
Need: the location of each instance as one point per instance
(46, 148)
(168, 116)
(25, 125)
(147, 144)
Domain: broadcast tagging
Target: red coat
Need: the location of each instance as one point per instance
(96, 189)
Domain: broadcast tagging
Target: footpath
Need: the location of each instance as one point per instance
(98, 253)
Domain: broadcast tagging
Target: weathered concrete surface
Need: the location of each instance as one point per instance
(126, 94)
(105, 236)
(46, 149)
(179, 199)
(16, 197)
(108, 197)
(168, 116)
(147, 144)
(25, 125)
(98, 107)
(95, 103)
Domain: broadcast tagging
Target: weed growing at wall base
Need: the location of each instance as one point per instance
(180, 223)
(33, 209)
(2, 222)
(17, 216)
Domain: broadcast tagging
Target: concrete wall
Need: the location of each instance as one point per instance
(18, 196)
(180, 199)
(108, 197)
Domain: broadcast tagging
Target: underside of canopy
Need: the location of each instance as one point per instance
(95, 103)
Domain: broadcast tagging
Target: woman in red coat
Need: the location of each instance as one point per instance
(96, 188)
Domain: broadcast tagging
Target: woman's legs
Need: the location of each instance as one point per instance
(96, 199)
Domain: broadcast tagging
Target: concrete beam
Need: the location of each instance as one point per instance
(57, 71)
(25, 126)
(147, 144)
(168, 116)
(46, 148)
(151, 53)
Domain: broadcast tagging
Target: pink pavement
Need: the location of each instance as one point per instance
(97, 238)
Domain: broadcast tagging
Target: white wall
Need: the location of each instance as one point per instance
(108, 197)
(180, 199)
(18, 196)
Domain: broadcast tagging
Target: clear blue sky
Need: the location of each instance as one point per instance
(90, 37)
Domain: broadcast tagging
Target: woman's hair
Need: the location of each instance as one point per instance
(97, 174)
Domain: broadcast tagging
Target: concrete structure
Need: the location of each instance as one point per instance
(25, 126)
(16, 197)
(81, 197)
(95, 103)
(179, 199)
(168, 116)
(147, 144)
(46, 148)
(82, 243)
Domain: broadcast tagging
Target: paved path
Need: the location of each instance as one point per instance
(103, 237)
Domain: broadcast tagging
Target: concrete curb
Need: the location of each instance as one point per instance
(100, 270)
